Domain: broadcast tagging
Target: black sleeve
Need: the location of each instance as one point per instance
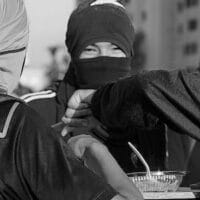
(173, 96)
(48, 169)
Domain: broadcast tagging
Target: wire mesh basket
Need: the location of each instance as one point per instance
(160, 181)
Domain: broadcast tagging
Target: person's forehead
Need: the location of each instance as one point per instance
(102, 44)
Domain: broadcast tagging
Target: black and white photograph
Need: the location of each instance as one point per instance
(100, 99)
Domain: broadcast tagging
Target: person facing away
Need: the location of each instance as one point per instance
(35, 163)
(100, 38)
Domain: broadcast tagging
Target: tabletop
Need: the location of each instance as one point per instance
(182, 193)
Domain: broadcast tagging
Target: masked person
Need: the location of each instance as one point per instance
(100, 38)
(35, 163)
(105, 50)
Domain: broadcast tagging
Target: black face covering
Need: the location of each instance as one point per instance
(95, 72)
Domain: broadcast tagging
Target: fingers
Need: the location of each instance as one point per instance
(67, 130)
(81, 105)
(80, 99)
(82, 124)
(102, 130)
(74, 131)
(99, 131)
(77, 113)
(78, 144)
(93, 122)
(89, 122)
(75, 122)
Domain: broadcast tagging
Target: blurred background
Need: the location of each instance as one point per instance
(167, 37)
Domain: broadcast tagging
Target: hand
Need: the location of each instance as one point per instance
(80, 99)
(90, 150)
(78, 107)
(82, 126)
(80, 143)
(77, 118)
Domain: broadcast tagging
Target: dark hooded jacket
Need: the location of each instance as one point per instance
(173, 97)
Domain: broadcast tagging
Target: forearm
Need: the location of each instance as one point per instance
(174, 97)
(101, 161)
(109, 104)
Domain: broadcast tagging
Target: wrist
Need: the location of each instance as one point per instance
(86, 95)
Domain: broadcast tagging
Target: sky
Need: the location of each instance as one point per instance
(48, 23)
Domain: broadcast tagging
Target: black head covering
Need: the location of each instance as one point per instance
(89, 24)
(99, 23)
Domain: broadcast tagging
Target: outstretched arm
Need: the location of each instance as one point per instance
(97, 157)
(173, 97)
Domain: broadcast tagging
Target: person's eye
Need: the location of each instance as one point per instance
(117, 51)
(90, 49)
(89, 52)
(116, 48)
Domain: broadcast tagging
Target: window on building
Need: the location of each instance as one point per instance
(190, 48)
(190, 3)
(180, 6)
(180, 29)
(190, 68)
(192, 24)
(144, 15)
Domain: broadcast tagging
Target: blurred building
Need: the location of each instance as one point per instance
(187, 29)
(59, 63)
(172, 31)
(48, 24)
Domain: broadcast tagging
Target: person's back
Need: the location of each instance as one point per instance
(46, 104)
(29, 169)
(8, 152)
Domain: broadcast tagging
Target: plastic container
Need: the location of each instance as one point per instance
(160, 181)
